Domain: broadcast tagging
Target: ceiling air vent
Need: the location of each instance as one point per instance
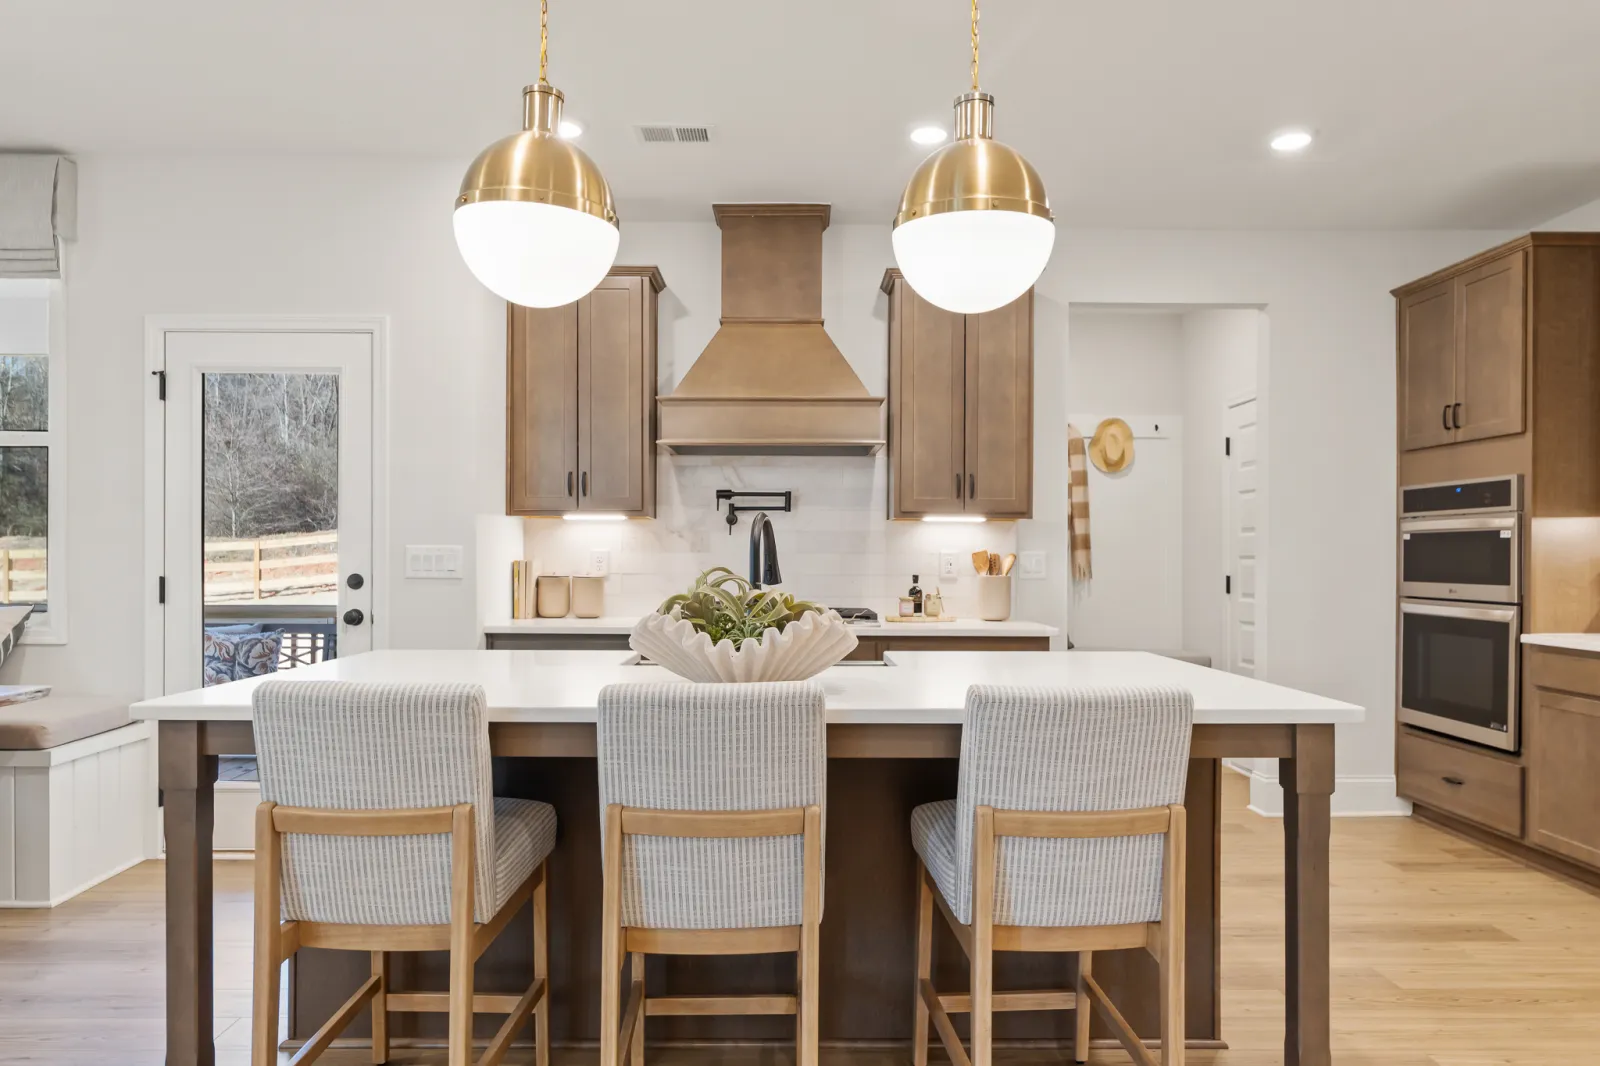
(674, 134)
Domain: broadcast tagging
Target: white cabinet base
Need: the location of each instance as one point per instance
(74, 815)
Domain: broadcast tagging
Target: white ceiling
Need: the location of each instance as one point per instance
(1139, 113)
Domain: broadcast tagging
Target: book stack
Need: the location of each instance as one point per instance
(523, 573)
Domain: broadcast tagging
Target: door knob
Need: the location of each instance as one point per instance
(355, 581)
(354, 617)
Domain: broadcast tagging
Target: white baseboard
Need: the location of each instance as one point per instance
(1354, 796)
(44, 904)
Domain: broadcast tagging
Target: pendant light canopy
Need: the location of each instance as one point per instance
(974, 230)
(534, 220)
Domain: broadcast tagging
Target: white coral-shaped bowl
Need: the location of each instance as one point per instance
(804, 648)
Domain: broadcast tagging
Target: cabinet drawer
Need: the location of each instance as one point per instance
(1479, 788)
(1568, 671)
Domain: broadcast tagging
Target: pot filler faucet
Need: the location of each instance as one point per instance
(763, 552)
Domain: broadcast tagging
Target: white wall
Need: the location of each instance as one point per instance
(1220, 353)
(1128, 364)
(372, 236)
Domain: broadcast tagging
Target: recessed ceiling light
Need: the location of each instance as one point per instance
(1291, 141)
(928, 135)
(569, 130)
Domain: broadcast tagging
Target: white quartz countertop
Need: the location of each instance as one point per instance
(911, 688)
(1589, 642)
(622, 625)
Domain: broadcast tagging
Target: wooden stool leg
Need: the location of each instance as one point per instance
(1085, 1012)
(268, 942)
(636, 1045)
(810, 967)
(611, 951)
(919, 1037)
(983, 874)
(1173, 924)
(462, 894)
(380, 1008)
(541, 968)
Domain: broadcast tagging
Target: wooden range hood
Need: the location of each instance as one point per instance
(771, 382)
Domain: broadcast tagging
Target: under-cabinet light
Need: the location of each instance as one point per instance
(970, 518)
(595, 516)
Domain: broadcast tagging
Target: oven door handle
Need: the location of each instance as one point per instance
(1508, 615)
(1461, 524)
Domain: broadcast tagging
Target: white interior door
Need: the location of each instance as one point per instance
(1242, 539)
(268, 487)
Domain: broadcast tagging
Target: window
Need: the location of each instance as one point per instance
(32, 495)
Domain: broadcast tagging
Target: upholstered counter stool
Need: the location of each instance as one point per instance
(1067, 834)
(711, 804)
(379, 832)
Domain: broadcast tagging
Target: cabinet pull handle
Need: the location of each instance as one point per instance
(1447, 779)
(1444, 416)
(569, 484)
(972, 486)
(1456, 415)
(958, 486)
(585, 481)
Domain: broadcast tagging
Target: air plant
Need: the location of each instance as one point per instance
(724, 606)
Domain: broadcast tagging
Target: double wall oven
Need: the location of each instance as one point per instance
(1461, 608)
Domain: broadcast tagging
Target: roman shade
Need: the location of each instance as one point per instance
(38, 210)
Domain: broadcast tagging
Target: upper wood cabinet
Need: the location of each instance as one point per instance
(960, 407)
(581, 391)
(1463, 342)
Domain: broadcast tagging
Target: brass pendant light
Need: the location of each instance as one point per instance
(974, 230)
(534, 220)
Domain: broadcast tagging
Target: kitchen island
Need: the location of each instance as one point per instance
(893, 740)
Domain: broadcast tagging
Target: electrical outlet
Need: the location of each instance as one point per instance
(948, 561)
(1033, 566)
(599, 562)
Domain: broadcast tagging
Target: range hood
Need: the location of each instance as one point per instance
(771, 382)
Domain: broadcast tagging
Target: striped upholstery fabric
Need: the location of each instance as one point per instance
(1044, 749)
(359, 746)
(711, 748)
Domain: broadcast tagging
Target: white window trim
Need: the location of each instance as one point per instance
(51, 627)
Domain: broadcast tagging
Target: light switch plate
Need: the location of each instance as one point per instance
(433, 560)
(599, 562)
(948, 561)
(1033, 566)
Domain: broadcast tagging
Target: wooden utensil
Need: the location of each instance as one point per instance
(980, 562)
(1007, 563)
(994, 564)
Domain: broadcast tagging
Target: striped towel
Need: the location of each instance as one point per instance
(1078, 510)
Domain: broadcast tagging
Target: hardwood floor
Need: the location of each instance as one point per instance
(1444, 954)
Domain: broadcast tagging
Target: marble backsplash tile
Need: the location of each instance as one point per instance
(836, 546)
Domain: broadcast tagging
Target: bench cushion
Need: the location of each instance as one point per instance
(57, 720)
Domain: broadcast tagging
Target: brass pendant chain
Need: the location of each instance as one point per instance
(974, 45)
(544, 39)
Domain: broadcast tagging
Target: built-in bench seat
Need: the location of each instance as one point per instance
(76, 796)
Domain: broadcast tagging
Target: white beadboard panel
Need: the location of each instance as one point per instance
(8, 834)
(71, 824)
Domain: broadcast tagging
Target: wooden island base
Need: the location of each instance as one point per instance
(877, 774)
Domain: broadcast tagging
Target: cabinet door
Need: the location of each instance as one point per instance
(613, 409)
(1428, 366)
(1564, 775)
(1491, 345)
(926, 406)
(1000, 410)
(542, 410)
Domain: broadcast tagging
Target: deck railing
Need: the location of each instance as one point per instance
(304, 566)
(22, 575)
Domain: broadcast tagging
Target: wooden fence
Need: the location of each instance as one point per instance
(22, 575)
(297, 565)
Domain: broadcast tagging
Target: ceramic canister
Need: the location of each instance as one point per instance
(588, 597)
(994, 597)
(554, 594)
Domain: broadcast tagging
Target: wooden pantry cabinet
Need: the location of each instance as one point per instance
(1464, 342)
(960, 407)
(581, 400)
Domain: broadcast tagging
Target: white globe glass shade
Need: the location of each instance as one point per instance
(533, 254)
(969, 262)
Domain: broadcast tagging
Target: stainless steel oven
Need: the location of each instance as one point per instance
(1458, 669)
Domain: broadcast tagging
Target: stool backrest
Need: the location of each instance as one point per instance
(345, 745)
(704, 747)
(1026, 748)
